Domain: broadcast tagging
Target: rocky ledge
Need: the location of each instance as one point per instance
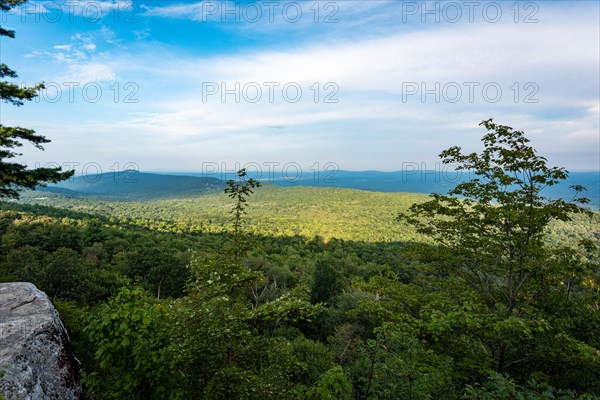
(36, 361)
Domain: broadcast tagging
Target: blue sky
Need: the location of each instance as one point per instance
(176, 86)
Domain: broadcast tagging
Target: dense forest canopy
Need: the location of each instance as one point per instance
(487, 292)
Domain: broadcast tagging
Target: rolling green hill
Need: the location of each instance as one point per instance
(276, 211)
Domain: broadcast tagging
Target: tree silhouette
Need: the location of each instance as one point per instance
(15, 176)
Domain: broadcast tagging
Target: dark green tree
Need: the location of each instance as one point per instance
(327, 280)
(15, 176)
(492, 229)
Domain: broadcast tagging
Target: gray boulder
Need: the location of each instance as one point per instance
(36, 361)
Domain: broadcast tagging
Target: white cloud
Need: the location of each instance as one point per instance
(594, 108)
(82, 63)
(66, 47)
(371, 126)
(193, 11)
(590, 135)
(88, 72)
(381, 69)
(80, 49)
(89, 46)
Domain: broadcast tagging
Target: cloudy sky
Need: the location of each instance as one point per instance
(366, 85)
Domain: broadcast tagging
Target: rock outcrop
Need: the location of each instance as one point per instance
(36, 361)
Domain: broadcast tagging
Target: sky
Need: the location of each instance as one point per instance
(355, 85)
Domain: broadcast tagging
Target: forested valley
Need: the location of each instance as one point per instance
(324, 293)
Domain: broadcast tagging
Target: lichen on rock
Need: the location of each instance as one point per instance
(36, 361)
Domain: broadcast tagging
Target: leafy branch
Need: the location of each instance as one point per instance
(239, 190)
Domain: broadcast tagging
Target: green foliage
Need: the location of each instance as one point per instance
(397, 366)
(86, 260)
(327, 281)
(131, 337)
(314, 359)
(332, 385)
(227, 344)
(501, 387)
(1, 376)
(492, 235)
(74, 317)
(239, 191)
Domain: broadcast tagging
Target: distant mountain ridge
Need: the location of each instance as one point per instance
(135, 185)
(411, 181)
(139, 186)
